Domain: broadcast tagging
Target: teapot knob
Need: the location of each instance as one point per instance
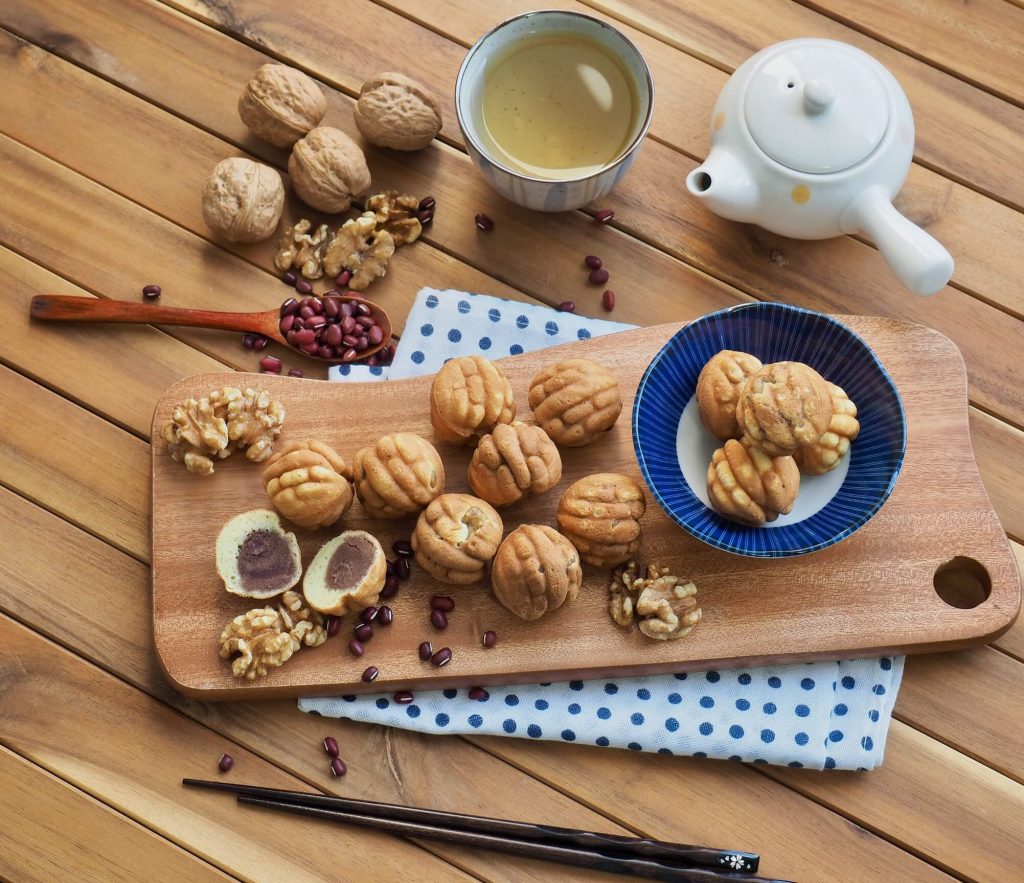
(818, 96)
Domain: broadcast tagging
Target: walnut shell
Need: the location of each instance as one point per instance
(718, 388)
(574, 401)
(309, 483)
(824, 455)
(243, 200)
(784, 406)
(395, 111)
(456, 537)
(280, 104)
(470, 395)
(536, 570)
(328, 170)
(398, 476)
(515, 460)
(600, 515)
(747, 485)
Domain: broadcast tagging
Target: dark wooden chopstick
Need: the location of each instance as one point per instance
(635, 847)
(584, 858)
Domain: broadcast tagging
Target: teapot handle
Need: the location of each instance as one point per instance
(919, 260)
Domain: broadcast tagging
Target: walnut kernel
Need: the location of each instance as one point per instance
(667, 605)
(362, 248)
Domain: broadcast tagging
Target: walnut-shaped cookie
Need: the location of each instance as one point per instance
(256, 557)
(747, 485)
(347, 574)
(470, 395)
(784, 406)
(456, 537)
(536, 570)
(514, 461)
(309, 483)
(718, 389)
(574, 401)
(398, 475)
(824, 455)
(600, 515)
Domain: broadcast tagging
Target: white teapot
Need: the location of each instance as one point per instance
(811, 139)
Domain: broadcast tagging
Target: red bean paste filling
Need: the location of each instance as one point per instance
(265, 561)
(349, 563)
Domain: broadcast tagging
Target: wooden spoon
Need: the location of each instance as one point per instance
(61, 308)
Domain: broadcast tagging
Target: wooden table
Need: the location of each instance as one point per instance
(112, 114)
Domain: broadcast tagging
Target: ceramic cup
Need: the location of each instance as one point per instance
(547, 194)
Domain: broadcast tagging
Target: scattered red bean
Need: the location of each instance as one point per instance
(439, 619)
(259, 342)
(338, 767)
(364, 632)
(371, 674)
(566, 306)
(332, 622)
(225, 763)
(403, 569)
(490, 639)
(608, 300)
(484, 223)
(604, 216)
(369, 614)
(425, 217)
(593, 261)
(151, 292)
(295, 372)
(441, 657)
(390, 586)
(402, 547)
(386, 615)
(270, 365)
(404, 697)
(427, 204)
(598, 277)
(331, 746)
(355, 648)
(389, 569)
(442, 602)
(426, 651)
(289, 278)
(478, 693)
(248, 341)
(344, 277)
(303, 287)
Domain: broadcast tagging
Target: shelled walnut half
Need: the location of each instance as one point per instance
(301, 250)
(663, 605)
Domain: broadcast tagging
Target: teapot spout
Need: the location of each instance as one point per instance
(724, 185)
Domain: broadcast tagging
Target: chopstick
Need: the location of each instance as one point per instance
(568, 845)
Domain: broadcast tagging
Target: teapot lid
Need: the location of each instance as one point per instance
(817, 106)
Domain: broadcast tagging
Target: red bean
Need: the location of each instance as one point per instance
(364, 633)
(366, 321)
(484, 223)
(593, 261)
(608, 300)
(344, 277)
(270, 365)
(317, 305)
(426, 651)
(350, 340)
(441, 657)
(403, 568)
(427, 204)
(295, 372)
(390, 569)
(286, 323)
(604, 216)
(303, 287)
(338, 767)
(348, 308)
(390, 586)
(316, 321)
(362, 309)
(355, 648)
(372, 361)
(259, 342)
(402, 547)
(566, 306)
(306, 335)
(306, 312)
(349, 355)
(376, 336)
(362, 343)
(332, 335)
(425, 217)
(386, 615)
(332, 622)
(358, 295)
(598, 277)
(225, 763)
(326, 352)
(442, 602)
(490, 639)
(290, 307)
(289, 278)
(331, 746)
(151, 292)
(438, 619)
(369, 614)
(331, 307)
(249, 341)
(404, 697)
(310, 348)
(478, 693)
(347, 324)
(371, 674)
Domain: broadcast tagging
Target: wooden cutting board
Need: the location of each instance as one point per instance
(873, 593)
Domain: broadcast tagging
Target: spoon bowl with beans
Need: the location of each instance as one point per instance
(332, 327)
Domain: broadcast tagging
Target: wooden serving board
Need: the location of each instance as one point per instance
(870, 594)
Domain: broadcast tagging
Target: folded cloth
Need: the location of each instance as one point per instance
(820, 715)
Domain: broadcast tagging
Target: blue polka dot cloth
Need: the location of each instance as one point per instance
(820, 715)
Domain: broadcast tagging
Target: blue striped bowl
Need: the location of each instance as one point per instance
(773, 333)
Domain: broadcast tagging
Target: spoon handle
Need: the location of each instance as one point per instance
(61, 308)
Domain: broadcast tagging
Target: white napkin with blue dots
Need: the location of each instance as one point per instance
(819, 715)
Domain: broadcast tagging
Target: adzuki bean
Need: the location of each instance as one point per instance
(331, 746)
(225, 763)
(484, 223)
(608, 300)
(386, 615)
(566, 306)
(303, 287)
(270, 365)
(593, 261)
(598, 277)
(426, 651)
(442, 602)
(332, 622)
(427, 204)
(441, 657)
(289, 278)
(390, 586)
(295, 372)
(371, 674)
(369, 614)
(403, 569)
(151, 292)
(355, 648)
(364, 633)
(478, 693)
(439, 619)
(338, 767)
(604, 216)
(402, 547)
(404, 697)
(489, 639)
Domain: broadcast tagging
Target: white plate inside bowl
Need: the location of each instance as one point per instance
(695, 446)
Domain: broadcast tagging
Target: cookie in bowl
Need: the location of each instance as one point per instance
(750, 486)
(718, 390)
(784, 406)
(828, 451)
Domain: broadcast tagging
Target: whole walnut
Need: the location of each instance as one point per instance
(243, 200)
(536, 570)
(470, 395)
(398, 476)
(456, 537)
(824, 455)
(395, 111)
(328, 170)
(718, 388)
(784, 406)
(574, 401)
(513, 461)
(750, 486)
(600, 515)
(280, 104)
(309, 483)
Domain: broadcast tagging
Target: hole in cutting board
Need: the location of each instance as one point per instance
(962, 583)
